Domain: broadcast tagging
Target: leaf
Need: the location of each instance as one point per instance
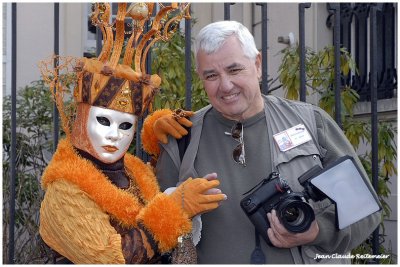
(345, 69)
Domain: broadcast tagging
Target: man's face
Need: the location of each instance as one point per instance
(231, 80)
(110, 133)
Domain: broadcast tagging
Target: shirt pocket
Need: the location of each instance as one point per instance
(292, 163)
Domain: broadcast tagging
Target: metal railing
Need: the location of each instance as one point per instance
(188, 85)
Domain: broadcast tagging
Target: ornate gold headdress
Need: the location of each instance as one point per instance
(110, 80)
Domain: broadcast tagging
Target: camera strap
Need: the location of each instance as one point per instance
(257, 256)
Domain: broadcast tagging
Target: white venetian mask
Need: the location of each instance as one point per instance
(110, 133)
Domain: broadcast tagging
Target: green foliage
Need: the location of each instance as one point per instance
(289, 72)
(366, 248)
(320, 79)
(169, 62)
(387, 155)
(33, 143)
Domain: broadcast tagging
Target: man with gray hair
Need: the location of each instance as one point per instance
(234, 138)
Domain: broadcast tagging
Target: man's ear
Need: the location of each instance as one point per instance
(259, 65)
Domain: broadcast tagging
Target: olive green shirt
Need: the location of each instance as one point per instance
(228, 236)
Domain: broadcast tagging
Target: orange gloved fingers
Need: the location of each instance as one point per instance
(204, 184)
(162, 128)
(178, 126)
(167, 125)
(170, 126)
(185, 122)
(200, 203)
(191, 194)
(212, 198)
(161, 136)
(199, 185)
(189, 113)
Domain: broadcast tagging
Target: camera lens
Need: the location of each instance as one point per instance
(295, 214)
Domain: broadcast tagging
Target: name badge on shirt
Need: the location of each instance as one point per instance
(292, 137)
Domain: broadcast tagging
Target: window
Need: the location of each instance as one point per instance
(355, 27)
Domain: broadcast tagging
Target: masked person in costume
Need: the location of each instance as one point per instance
(102, 204)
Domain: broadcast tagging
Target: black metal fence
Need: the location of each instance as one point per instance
(355, 25)
(376, 78)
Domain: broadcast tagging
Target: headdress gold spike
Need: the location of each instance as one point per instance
(105, 81)
(160, 30)
(139, 12)
(101, 18)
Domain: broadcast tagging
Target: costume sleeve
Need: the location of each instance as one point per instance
(329, 239)
(149, 139)
(164, 221)
(162, 218)
(73, 225)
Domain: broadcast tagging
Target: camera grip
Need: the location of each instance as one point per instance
(261, 224)
(258, 219)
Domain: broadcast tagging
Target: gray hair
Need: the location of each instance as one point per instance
(213, 36)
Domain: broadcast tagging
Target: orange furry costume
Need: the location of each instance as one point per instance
(77, 209)
(85, 216)
(103, 205)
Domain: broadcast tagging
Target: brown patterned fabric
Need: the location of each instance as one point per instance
(108, 92)
(117, 93)
(137, 89)
(132, 244)
(86, 83)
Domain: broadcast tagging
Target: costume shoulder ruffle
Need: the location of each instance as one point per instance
(68, 219)
(164, 219)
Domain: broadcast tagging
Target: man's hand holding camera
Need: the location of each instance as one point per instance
(280, 237)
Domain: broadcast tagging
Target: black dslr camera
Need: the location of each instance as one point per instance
(291, 208)
(342, 182)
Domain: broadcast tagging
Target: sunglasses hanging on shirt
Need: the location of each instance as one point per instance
(238, 153)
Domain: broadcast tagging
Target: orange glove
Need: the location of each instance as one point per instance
(171, 124)
(192, 195)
